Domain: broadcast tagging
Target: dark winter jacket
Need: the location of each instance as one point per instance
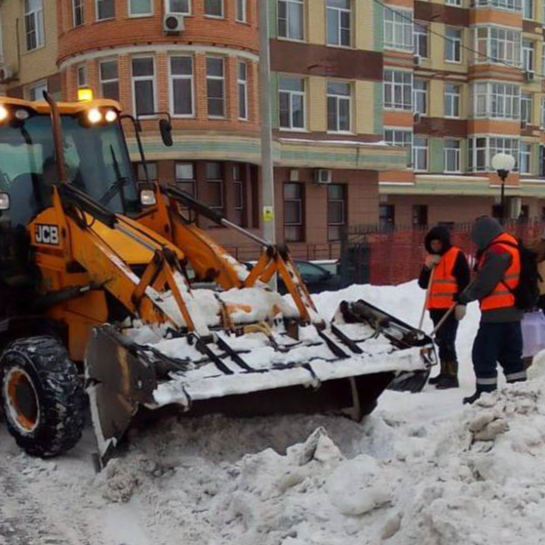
(461, 267)
(497, 260)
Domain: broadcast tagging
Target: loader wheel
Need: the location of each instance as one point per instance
(42, 396)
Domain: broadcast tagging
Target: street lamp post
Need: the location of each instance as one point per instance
(503, 163)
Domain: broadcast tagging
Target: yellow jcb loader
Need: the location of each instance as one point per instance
(95, 299)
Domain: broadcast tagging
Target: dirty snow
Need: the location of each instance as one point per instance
(421, 470)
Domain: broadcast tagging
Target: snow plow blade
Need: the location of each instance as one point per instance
(344, 367)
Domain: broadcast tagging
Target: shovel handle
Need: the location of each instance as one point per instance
(443, 319)
(428, 289)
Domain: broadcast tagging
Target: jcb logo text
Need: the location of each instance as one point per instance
(47, 234)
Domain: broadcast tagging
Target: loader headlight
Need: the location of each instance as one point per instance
(22, 115)
(94, 115)
(111, 116)
(4, 202)
(4, 113)
(147, 197)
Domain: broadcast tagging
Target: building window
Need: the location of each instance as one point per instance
(398, 29)
(109, 80)
(214, 179)
(525, 158)
(105, 9)
(398, 137)
(179, 6)
(498, 45)
(185, 178)
(34, 24)
(77, 9)
(339, 107)
(453, 2)
(336, 211)
(526, 108)
(453, 155)
(215, 86)
(482, 149)
(143, 85)
(420, 154)
(452, 100)
(508, 5)
(213, 8)
(294, 212)
(398, 88)
(36, 91)
(238, 186)
(140, 8)
(528, 55)
(81, 73)
(291, 97)
(421, 40)
(420, 96)
(141, 172)
(339, 23)
(387, 217)
(496, 100)
(181, 73)
(453, 45)
(542, 117)
(241, 11)
(291, 19)
(420, 215)
(528, 9)
(242, 83)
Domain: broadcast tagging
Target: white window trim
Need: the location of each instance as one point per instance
(529, 171)
(244, 83)
(74, 14)
(185, 14)
(421, 24)
(139, 15)
(222, 16)
(143, 78)
(531, 54)
(171, 79)
(459, 85)
(415, 148)
(97, 20)
(461, 41)
(287, 38)
(393, 83)
(78, 82)
(40, 27)
(488, 59)
(223, 79)
(100, 80)
(351, 107)
(424, 92)
(489, 4)
(488, 137)
(299, 93)
(404, 12)
(35, 85)
(459, 156)
(245, 12)
(341, 10)
(532, 18)
(488, 114)
(531, 109)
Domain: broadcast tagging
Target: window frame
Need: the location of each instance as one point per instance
(457, 155)
(101, 81)
(496, 37)
(344, 208)
(489, 150)
(453, 98)
(78, 5)
(303, 29)
(456, 43)
(528, 157)
(36, 85)
(135, 79)
(138, 15)
(401, 23)
(244, 84)
(211, 16)
(532, 9)
(220, 181)
(168, 8)
(338, 98)
(400, 86)
(224, 89)
(291, 93)
(498, 105)
(37, 16)
(79, 68)
(340, 28)
(424, 91)
(173, 77)
(529, 111)
(416, 153)
(300, 200)
(416, 39)
(244, 11)
(97, 11)
(528, 53)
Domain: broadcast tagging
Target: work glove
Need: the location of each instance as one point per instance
(432, 260)
(460, 312)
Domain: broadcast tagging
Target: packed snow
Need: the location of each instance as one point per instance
(421, 470)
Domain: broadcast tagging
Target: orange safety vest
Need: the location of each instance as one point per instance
(501, 297)
(444, 285)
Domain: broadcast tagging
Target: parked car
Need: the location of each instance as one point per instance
(316, 277)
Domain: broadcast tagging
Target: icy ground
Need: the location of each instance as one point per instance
(420, 470)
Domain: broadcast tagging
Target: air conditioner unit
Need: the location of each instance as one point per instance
(173, 23)
(514, 207)
(323, 176)
(529, 76)
(5, 73)
(417, 117)
(417, 59)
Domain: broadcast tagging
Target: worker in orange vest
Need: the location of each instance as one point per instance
(445, 274)
(499, 338)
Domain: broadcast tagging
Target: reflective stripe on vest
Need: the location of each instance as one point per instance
(501, 297)
(444, 284)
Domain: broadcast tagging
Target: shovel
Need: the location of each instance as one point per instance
(428, 289)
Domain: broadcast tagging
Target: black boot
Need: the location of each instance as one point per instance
(450, 378)
(442, 373)
(478, 392)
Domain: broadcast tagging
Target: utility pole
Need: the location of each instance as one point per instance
(267, 167)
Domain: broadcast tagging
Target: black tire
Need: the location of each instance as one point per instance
(42, 396)
(410, 381)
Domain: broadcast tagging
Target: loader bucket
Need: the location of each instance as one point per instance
(342, 368)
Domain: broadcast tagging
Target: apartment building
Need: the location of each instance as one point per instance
(326, 96)
(463, 80)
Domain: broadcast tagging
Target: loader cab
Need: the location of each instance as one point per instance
(96, 158)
